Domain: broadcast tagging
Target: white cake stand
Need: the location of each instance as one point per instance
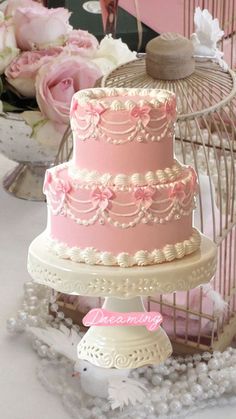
(122, 346)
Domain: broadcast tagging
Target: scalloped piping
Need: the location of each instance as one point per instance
(162, 177)
(122, 180)
(92, 256)
(157, 97)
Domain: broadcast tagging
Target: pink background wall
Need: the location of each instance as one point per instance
(177, 16)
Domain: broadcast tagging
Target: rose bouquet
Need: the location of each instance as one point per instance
(43, 62)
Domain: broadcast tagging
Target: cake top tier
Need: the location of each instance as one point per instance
(121, 115)
(122, 130)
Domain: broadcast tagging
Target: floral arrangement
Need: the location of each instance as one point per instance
(44, 61)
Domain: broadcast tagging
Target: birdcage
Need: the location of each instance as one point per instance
(205, 138)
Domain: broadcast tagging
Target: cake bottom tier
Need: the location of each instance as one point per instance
(93, 256)
(115, 225)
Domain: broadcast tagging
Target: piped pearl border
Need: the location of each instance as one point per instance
(92, 256)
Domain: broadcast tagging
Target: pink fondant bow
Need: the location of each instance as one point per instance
(101, 198)
(144, 197)
(142, 113)
(93, 112)
(178, 191)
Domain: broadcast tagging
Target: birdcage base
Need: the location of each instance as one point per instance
(25, 181)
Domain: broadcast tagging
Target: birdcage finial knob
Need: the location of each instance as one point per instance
(169, 57)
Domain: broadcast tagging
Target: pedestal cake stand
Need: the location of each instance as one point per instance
(123, 288)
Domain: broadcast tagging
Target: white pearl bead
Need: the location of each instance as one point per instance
(197, 357)
(11, 324)
(207, 384)
(51, 354)
(22, 315)
(213, 364)
(197, 391)
(216, 354)
(156, 396)
(68, 321)
(54, 307)
(33, 300)
(148, 373)
(192, 379)
(42, 350)
(173, 376)
(106, 407)
(162, 408)
(170, 396)
(20, 326)
(175, 406)
(167, 383)
(201, 367)
(156, 380)
(210, 394)
(187, 399)
(33, 321)
(28, 285)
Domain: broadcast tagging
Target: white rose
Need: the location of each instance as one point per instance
(112, 53)
(8, 47)
(43, 130)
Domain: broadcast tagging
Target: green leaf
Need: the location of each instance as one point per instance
(7, 107)
(38, 125)
(1, 87)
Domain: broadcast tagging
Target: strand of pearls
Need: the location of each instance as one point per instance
(34, 312)
(176, 388)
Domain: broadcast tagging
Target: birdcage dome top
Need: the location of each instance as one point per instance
(206, 90)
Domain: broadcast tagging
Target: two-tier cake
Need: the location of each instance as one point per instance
(123, 199)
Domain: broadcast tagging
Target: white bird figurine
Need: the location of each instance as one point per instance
(110, 383)
(207, 35)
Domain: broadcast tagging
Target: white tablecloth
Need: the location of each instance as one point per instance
(21, 395)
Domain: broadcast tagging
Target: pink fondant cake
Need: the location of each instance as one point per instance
(123, 199)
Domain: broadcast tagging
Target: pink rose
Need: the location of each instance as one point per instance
(12, 5)
(22, 71)
(39, 27)
(58, 80)
(81, 42)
